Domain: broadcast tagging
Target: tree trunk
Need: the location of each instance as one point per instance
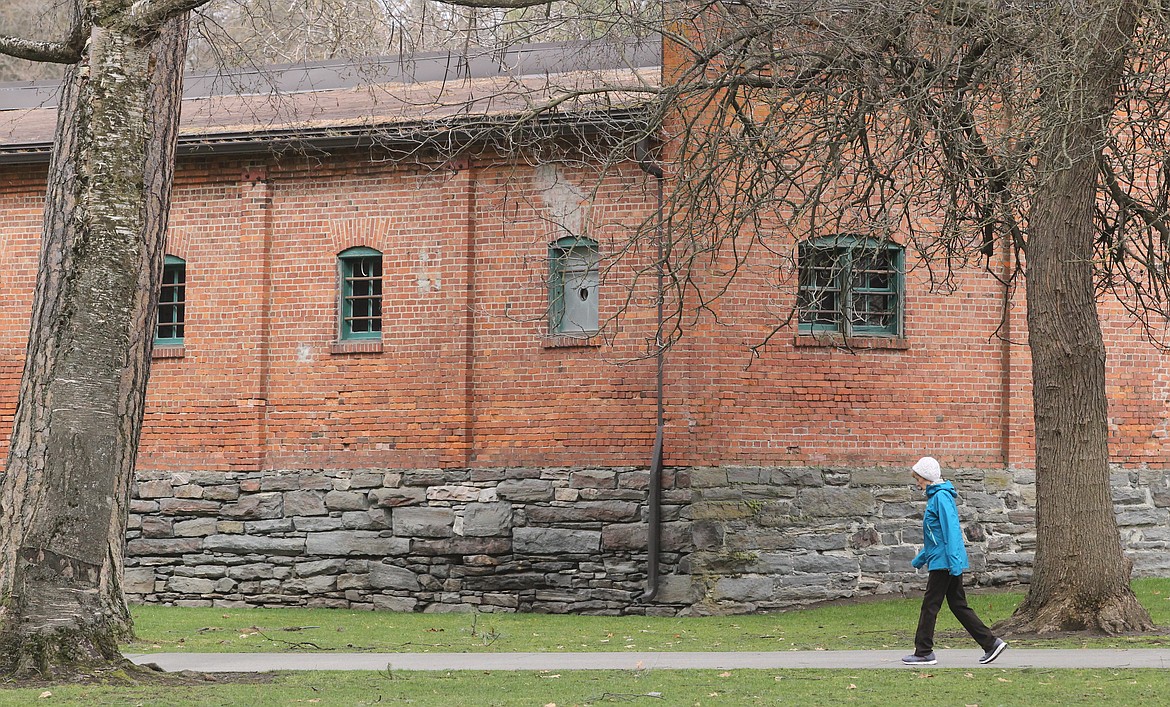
(64, 495)
(1081, 576)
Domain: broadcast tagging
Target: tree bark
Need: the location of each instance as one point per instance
(1081, 575)
(65, 491)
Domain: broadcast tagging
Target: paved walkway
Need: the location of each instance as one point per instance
(1011, 658)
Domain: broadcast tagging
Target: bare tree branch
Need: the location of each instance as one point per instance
(66, 52)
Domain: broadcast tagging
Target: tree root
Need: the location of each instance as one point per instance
(1117, 614)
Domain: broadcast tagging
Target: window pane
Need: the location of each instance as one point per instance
(362, 296)
(818, 300)
(172, 308)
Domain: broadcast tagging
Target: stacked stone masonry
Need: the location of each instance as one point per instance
(735, 539)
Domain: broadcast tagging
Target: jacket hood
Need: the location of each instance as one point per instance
(942, 487)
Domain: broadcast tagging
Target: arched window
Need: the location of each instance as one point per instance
(171, 319)
(850, 285)
(573, 278)
(360, 275)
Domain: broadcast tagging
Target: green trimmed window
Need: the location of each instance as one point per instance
(573, 278)
(172, 303)
(851, 286)
(360, 271)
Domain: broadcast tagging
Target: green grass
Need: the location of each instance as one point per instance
(659, 687)
(870, 624)
(873, 624)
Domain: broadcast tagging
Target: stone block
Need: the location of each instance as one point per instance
(708, 477)
(624, 536)
(221, 492)
(677, 589)
(178, 546)
(154, 489)
(383, 576)
(312, 569)
(248, 545)
(424, 522)
(316, 524)
(188, 507)
(744, 589)
(199, 527)
(382, 602)
(457, 494)
(797, 476)
(190, 585)
(349, 543)
(593, 479)
(255, 506)
(304, 503)
(155, 527)
(138, 580)
(881, 477)
(836, 502)
(525, 490)
(395, 497)
(346, 501)
(825, 564)
(554, 541)
(487, 519)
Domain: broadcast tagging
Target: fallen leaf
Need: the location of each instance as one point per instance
(1003, 679)
(551, 676)
(725, 674)
(46, 693)
(851, 687)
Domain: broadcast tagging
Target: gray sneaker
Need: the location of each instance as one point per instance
(992, 654)
(927, 659)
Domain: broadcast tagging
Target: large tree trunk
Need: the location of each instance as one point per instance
(63, 501)
(1081, 576)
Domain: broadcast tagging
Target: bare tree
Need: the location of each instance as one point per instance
(966, 128)
(234, 33)
(1026, 132)
(64, 495)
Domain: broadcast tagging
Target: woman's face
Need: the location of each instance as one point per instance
(920, 481)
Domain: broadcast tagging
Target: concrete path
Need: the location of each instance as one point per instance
(1011, 658)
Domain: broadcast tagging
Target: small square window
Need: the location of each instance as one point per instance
(171, 318)
(850, 286)
(360, 271)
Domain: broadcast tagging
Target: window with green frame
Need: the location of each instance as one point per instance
(850, 285)
(360, 271)
(171, 320)
(572, 290)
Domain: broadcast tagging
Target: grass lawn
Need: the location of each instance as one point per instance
(660, 687)
(869, 624)
(886, 623)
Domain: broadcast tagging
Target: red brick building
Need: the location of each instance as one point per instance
(378, 384)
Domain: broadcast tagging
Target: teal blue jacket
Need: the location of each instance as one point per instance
(942, 537)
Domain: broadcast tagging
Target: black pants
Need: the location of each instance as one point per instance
(941, 584)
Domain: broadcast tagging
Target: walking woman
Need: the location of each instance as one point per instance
(945, 556)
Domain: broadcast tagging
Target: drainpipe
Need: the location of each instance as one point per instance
(654, 495)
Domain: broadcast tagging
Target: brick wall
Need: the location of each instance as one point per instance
(466, 389)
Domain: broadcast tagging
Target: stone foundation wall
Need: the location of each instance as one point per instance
(734, 540)
(543, 540)
(767, 538)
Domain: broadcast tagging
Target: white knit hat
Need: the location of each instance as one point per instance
(928, 468)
